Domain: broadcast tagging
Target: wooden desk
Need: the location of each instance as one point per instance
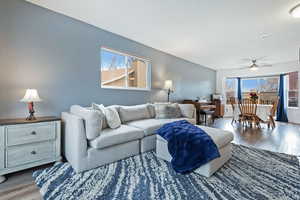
(220, 108)
(200, 106)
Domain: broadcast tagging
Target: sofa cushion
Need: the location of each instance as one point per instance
(131, 113)
(151, 125)
(110, 137)
(92, 119)
(167, 111)
(220, 137)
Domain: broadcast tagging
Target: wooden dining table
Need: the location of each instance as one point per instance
(263, 111)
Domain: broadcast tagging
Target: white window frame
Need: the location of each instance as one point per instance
(235, 95)
(243, 78)
(148, 75)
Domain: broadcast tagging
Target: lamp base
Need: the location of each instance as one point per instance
(30, 117)
(169, 92)
(31, 112)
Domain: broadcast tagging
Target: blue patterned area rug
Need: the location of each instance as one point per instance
(250, 174)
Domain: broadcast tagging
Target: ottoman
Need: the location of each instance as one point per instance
(223, 141)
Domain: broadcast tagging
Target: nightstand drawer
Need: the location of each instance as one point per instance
(20, 155)
(30, 133)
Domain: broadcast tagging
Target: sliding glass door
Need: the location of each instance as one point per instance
(265, 87)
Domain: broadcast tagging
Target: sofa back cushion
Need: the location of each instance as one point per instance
(132, 113)
(92, 120)
(167, 111)
(187, 110)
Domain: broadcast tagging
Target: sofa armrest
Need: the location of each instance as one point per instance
(74, 139)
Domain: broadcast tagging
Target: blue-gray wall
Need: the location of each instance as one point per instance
(59, 56)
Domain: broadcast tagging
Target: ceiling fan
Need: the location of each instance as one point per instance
(255, 64)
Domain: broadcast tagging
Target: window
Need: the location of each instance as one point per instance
(293, 89)
(123, 71)
(265, 87)
(230, 88)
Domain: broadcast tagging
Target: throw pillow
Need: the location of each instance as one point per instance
(101, 108)
(92, 120)
(167, 111)
(151, 109)
(132, 113)
(112, 118)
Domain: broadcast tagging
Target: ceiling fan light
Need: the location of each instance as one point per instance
(254, 68)
(295, 12)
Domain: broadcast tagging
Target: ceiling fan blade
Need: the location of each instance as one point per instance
(261, 58)
(251, 59)
(241, 67)
(248, 67)
(245, 67)
(236, 68)
(266, 65)
(247, 59)
(261, 64)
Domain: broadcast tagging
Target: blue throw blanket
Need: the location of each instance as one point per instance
(189, 146)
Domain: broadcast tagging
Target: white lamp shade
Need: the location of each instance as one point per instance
(295, 12)
(168, 84)
(31, 95)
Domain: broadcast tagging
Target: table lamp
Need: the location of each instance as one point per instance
(31, 96)
(169, 87)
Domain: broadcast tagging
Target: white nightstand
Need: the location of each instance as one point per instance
(25, 144)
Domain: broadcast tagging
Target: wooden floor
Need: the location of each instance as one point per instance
(285, 138)
(21, 186)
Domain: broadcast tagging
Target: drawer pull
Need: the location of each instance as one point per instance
(33, 152)
(33, 133)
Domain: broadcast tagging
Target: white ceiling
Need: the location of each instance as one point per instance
(216, 34)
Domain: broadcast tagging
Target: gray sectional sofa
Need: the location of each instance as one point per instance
(136, 134)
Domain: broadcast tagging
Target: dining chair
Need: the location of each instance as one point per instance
(248, 110)
(271, 121)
